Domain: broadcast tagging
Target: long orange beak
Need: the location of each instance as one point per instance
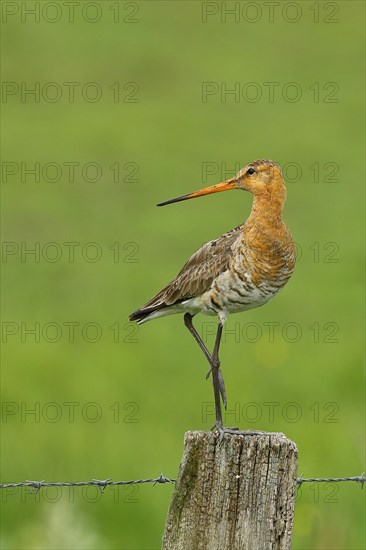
(224, 186)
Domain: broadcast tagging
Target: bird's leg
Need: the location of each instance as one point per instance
(217, 378)
(189, 324)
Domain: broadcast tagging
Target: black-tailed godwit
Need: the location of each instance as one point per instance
(243, 269)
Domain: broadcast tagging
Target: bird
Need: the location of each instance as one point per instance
(238, 271)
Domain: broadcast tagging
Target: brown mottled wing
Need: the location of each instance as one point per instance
(197, 274)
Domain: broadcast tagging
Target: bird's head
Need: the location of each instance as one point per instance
(261, 177)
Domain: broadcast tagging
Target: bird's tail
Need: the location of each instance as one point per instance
(141, 315)
(148, 313)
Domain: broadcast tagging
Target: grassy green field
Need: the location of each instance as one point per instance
(109, 400)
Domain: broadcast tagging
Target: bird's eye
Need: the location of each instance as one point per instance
(250, 171)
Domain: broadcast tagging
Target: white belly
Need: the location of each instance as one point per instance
(230, 295)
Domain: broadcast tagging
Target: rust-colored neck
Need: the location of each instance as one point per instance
(267, 207)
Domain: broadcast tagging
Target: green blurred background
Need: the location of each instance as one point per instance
(135, 393)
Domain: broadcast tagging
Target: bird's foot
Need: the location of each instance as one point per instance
(217, 427)
(221, 431)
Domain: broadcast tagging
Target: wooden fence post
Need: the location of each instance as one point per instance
(233, 494)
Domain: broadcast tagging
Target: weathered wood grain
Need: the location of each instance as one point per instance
(233, 494)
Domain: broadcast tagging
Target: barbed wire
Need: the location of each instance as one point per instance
(101, 483)
(104, 483)
(358, 479)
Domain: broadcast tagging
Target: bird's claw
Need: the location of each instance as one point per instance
(235, 431)
(222, 431)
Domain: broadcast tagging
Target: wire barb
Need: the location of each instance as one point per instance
(102, 483)
(35, 485)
